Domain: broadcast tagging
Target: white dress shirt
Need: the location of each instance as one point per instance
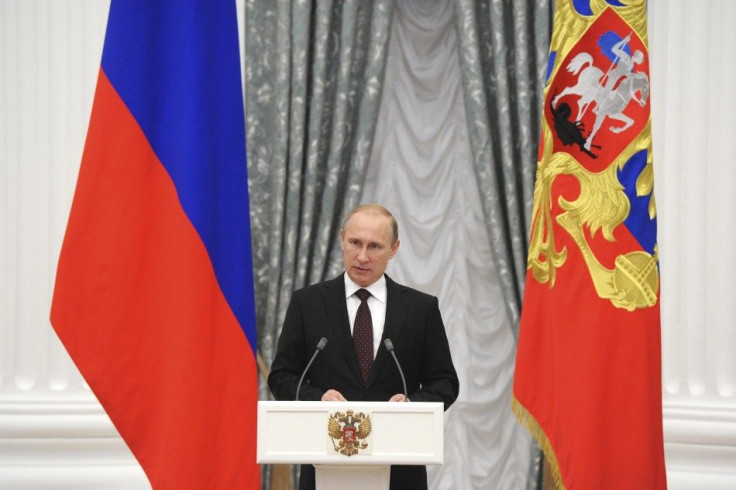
(376, 303)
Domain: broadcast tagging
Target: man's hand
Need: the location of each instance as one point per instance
(333, 396)
(399, 397)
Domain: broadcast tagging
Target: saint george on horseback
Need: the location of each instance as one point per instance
(610, 92)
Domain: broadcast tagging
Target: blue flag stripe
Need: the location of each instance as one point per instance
(194, 123)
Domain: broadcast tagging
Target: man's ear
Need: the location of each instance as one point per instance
(394, 248)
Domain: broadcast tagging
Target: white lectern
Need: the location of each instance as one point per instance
(350, 444)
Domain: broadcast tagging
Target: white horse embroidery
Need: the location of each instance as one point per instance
(610, 97)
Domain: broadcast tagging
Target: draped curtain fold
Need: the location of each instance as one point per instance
(503, 55)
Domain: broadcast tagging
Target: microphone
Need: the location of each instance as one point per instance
(390, 347)
(320, 345)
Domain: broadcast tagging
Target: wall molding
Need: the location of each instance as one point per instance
(63, 444)
(700, 446)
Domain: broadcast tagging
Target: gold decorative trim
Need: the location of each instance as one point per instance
(530, 423)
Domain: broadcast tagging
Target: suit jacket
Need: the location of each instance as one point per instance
(414, 325)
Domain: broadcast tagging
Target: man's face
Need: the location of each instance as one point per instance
(366, 246)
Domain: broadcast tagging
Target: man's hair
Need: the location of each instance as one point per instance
(378, 209)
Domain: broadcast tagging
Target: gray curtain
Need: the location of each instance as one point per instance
(314, 73)
(504, 47)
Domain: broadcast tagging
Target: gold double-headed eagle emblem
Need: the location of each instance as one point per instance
(348, 431)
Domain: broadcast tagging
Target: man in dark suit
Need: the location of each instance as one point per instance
(355, 365)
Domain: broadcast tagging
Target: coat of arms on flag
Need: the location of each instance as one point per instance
(597, 131)
(588, 368)
(591, 97)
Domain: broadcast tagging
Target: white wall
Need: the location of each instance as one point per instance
(53, 434)
(693, 50)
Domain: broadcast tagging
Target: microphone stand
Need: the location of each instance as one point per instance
(320, 345)
(390, 347)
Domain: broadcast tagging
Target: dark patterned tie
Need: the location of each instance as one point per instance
(363, 334)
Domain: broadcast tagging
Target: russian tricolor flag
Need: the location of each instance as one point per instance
(154, 291)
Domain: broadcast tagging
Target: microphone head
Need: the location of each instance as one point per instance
(389, 345)
(322, 343)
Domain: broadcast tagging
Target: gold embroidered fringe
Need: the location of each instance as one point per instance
(527, 420)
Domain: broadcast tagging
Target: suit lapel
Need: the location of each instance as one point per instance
(396, 308)
(333, 296)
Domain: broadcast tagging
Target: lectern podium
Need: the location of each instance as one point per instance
(350, 444)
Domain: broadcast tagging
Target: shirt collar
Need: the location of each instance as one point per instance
(377, 289)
